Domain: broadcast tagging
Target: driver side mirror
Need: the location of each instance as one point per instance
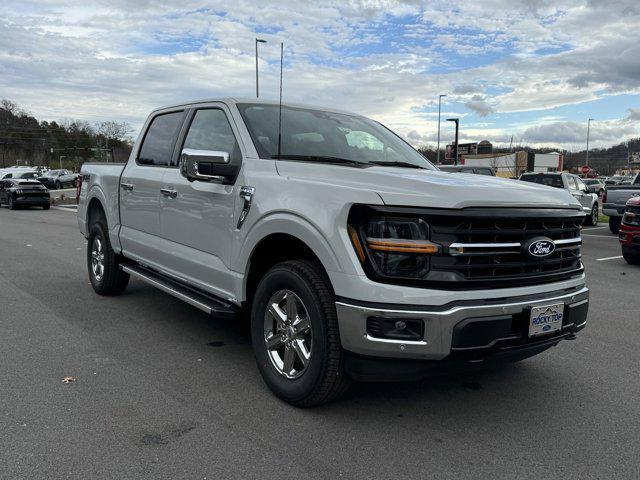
(207, 166)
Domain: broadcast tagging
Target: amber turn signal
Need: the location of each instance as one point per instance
(356, 243)
(402, 246)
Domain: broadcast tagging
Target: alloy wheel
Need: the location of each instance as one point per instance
(97, 258)
(287, 334)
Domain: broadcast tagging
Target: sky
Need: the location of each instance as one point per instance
(534, 70)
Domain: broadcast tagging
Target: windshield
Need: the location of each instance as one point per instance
(591, 182)
(549, 180)
(316, 135)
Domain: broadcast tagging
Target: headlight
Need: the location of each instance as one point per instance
(394, 246)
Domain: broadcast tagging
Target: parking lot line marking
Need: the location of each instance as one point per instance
(593, 228)
(608, 258)
(594, 235)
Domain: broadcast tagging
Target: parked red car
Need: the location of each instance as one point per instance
(629, 233)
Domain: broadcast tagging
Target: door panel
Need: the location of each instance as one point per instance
(140, 186)
(197, 219)
(140, 210)
(197, 225)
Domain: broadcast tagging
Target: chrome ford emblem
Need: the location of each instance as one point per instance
(540, 247)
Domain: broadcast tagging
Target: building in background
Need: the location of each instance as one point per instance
(507, 165)
(545, 162)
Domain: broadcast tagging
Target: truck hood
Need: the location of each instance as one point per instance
(432, 188)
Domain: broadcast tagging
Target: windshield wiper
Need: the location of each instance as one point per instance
(321, 159)
(397, 164)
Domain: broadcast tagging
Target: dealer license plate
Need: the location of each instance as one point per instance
(546, 319)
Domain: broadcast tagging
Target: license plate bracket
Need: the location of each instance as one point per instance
(546, 319)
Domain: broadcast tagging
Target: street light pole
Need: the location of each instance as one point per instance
(588, 132)
(438, 151)
(258, 40)
(457, 122)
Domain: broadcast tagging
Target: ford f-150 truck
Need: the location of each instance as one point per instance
(615, 201)
(352, 256)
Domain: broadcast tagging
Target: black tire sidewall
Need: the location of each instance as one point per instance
(279, 278)
(614, 224)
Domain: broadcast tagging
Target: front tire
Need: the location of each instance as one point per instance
(103, 263)
(58, 185)
(631, 256)
(12, 205)
(592, 219)
(294, 331)
(614, 224)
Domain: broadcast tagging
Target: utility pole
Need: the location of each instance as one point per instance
(438, 151)
(457, 122)
(258, 40)
(588, 132)
(511, 144)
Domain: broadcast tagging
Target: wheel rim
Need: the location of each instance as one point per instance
(97, 258)
(594, 215)
(287, 334)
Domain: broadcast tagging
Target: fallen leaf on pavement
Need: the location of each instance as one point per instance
(68, 379)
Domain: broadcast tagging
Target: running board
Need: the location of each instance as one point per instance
(206, 303)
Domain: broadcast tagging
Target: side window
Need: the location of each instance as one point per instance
(210, 130)
(572, 183)
(580, 184)
(157, 146)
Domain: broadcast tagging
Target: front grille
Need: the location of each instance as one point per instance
(490, 249)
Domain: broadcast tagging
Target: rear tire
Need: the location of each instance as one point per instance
(46, 207)
(592, 219)
(614, 224)
(276, 334)
(103, 263)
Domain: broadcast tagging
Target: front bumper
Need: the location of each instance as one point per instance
(629, 237)
(440, 324)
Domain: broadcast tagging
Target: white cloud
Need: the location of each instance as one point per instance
(96, 61)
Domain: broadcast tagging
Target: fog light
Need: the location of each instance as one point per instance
(395, 328)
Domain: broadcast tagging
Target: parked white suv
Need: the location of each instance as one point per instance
(353, 256)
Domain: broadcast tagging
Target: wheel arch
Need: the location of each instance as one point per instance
(272, 249)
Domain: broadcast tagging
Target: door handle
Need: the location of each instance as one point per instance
(167, 192)
(126, 186)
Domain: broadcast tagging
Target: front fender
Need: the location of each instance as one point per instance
(289, 223)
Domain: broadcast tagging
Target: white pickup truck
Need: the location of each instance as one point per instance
(352, 256)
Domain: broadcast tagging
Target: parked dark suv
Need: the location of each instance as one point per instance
(16, 193)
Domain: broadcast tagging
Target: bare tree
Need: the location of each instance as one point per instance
(112, 130)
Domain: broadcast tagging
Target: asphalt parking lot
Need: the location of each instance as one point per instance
(164, 391)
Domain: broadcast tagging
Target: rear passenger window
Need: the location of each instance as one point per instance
(210, 130)
(157, 146)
